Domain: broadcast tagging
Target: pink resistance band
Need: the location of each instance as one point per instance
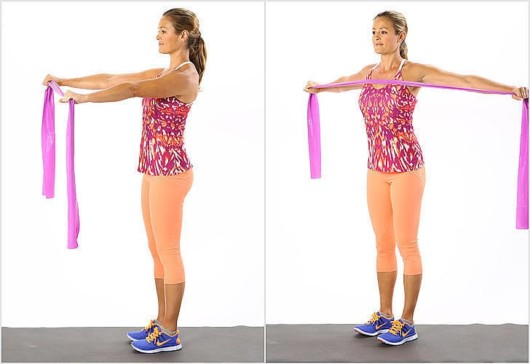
(313, 133)
(48, 160)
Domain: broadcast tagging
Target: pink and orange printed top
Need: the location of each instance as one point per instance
(387, 112)
(162, 151)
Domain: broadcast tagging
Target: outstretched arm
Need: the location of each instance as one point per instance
(430, 74)
(102, 81)
(361, 75)
(175, 83)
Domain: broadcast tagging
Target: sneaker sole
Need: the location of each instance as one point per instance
(411, 338)
(370, 333)
(169, 348)
(133, 339)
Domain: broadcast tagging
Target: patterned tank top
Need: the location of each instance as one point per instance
(387, 112)
(162, 151)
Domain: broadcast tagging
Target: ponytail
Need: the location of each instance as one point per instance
(198, 54)
(403, 50)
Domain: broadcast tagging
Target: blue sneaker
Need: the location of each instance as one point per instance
(143, 334)
(377, 324)
(157, 341)
(399, 333)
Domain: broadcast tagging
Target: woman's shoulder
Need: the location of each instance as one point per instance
(369, 67)
(416, 66)
(414, 70)
(365, 71)
(412, 65)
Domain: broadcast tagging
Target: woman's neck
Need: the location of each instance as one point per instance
(178, 57)
(389, 62)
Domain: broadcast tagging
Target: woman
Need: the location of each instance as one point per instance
(396, 171)
(167, 98)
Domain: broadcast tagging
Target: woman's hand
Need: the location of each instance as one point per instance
(78, 98)
(520, 93)
(310, 87)
(49, 78)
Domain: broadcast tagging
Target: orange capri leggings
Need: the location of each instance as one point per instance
(162, 202)
(394, 203)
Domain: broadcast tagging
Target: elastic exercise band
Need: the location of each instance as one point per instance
(48, 159)
(313, 133)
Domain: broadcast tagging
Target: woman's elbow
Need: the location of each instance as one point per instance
(468, 80)
(133, 89)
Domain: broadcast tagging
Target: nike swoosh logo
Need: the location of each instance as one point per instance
(406, 333)
(163, 342)
(377, 327)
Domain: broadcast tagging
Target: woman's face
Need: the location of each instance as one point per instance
(384, 37)
(168, 39)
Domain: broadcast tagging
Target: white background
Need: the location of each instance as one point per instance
(320, 245)
(320, 254)
(108, 280)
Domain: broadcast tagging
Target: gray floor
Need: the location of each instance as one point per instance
(110, 345)
(436, 343)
